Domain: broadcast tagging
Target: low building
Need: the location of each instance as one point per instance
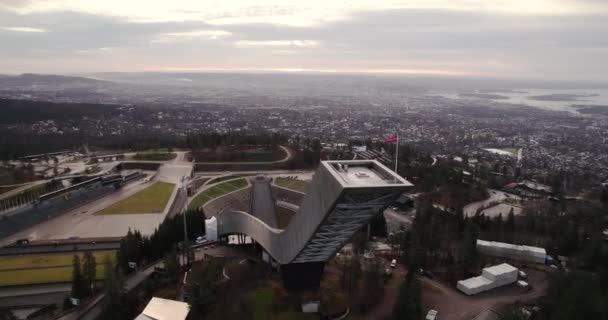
(164, 309)
(491, 278)
(512, 251)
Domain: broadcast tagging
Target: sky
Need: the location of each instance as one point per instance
(535, 39)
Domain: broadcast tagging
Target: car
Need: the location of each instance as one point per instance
(201, 239)
(394, 263)
(522, 275)
(432, 315)
(426, 273)
(22, 242)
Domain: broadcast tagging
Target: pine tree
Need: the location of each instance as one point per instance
(471, 233)
(89, 270)
(114, 304)
(78, 283)
(408, 306)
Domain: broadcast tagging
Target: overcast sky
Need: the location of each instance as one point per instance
(547, 39)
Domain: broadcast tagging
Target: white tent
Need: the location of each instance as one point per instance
(163, 309)
(512, 251)
(491, 277)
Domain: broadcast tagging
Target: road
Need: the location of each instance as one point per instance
(454, 305)
(496, 196)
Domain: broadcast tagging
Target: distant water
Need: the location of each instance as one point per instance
(558, 99)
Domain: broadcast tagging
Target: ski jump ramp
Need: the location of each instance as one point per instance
(342, 197)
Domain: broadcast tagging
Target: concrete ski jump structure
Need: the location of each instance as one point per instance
(342, 197)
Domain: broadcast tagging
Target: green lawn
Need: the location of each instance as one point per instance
(293, 184)
(153, 199)
(45, 260)
(216, 191)
(261, 301)
(44, 268)
(155, 155)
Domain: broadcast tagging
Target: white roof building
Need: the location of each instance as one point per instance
(491, 277)
(512, 251)
(163, 309)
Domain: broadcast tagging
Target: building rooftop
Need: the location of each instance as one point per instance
(163, 309)
(500, 269)
(364, 173)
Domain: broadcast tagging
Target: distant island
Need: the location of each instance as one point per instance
(483, 96)
(502, 91)
(591, 109)
(561, 97)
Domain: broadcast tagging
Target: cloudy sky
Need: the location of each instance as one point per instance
(547, 39)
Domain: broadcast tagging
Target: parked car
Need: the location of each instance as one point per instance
(394, 263)
(426, 273)
(432, 315)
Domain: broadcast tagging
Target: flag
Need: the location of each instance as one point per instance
(392, 139)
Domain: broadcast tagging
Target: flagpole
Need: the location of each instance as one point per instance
(397, 157)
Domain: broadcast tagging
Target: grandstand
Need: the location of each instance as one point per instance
(53, 206)
(237, 200)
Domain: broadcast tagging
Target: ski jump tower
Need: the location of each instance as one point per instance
(342, 198)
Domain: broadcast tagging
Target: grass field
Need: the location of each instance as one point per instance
(155, 155)
(153, 199)
(293, 184)
(216, 191)
(261, 303)
(44, 268)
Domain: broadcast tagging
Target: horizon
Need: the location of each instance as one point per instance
(528, 40)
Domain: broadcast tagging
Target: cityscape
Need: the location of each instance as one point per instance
(303, 160)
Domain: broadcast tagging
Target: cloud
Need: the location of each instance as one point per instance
(277, 43)
(441, 37)
(170, 37)
(291, 12)
(24, 29)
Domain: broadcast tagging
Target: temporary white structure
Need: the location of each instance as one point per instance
(512, 251)
(211, 229)
(164, 309)
(491, 277)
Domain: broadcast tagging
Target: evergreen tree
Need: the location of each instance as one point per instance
(172, 265)
(114, 304)
(89, 270)
(354, 272)
(78, 283)
(203, 292)
(6, 314)
(373, 286)
(408, 306)
(471, 233)
(511, 220)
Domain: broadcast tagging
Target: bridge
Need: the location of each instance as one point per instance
(342, 198)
